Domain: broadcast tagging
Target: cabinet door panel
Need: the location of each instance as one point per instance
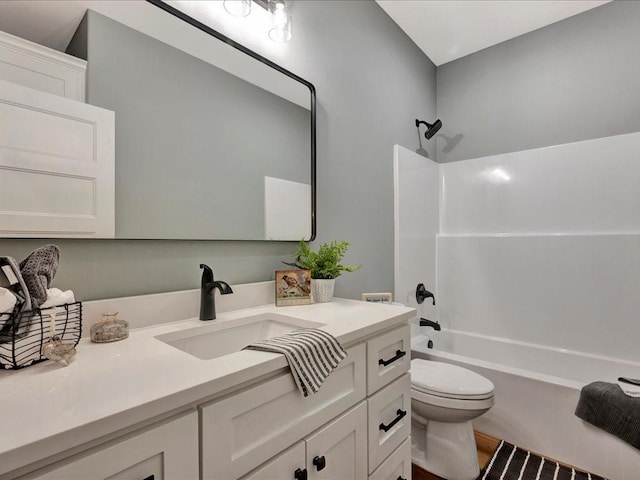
(243, 430)
(168, 452)
(339, 450)
(388, 357)
(389, 419)
(56, 166)
(282, 467)
(34, 66)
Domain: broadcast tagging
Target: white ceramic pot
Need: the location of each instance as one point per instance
(322, 290)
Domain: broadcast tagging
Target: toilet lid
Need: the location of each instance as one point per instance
(447, 380)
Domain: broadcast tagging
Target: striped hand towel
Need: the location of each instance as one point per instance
(312, 355)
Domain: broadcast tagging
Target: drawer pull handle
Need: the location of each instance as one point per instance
(399, 354)
(319, 462)
(401, 478)
(150, 477)
(300, 474)
(400, 415)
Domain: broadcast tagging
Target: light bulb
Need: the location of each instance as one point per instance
(281, 30)
(238, 8)
(279, 16)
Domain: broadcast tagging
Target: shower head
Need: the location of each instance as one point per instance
(432, 128)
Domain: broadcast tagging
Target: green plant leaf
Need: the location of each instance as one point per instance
(325, 263)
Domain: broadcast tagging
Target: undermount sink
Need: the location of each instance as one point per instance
(217, 339)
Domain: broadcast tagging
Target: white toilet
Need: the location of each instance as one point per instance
(444, 400)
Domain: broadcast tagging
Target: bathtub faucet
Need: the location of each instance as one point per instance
(428, 323)
(422, 294)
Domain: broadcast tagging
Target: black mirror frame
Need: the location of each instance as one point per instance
(214, 33)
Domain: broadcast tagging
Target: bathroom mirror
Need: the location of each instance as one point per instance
(213, 141)
(252, 176)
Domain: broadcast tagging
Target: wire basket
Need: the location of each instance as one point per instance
(23, 334)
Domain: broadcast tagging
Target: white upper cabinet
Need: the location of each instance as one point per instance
(56, 166)
(34, 66)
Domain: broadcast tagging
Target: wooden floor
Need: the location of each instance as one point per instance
(486, 446)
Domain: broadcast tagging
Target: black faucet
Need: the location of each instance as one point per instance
(207, 297)
(428, 323)
(422, 294)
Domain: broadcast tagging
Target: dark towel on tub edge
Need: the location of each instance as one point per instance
(607, 407)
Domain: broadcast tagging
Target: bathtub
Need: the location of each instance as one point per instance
(536, 392)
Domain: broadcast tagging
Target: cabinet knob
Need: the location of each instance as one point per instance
(319, 462)
(300, 474)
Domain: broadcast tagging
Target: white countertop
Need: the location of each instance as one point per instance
(47, 409)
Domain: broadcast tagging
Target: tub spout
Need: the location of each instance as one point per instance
(428, 323)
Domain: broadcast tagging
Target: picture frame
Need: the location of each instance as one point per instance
(380, 297)
(292, 287)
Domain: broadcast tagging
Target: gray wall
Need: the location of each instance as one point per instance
(372, 82)
(193, 142)
(573, 80)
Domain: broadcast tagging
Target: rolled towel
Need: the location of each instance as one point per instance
(11, 271)
(605, 406)
(629, 389)
(56, 297)
(7, 301)
(312, 355)
(38, 269)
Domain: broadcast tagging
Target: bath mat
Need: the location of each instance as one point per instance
(514, 463)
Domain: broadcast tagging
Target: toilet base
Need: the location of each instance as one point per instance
(445, 449)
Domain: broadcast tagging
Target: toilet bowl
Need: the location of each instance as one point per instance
(444, 400)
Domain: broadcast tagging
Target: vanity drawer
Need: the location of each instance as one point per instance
(388, 357)
(397, 466)
(166, 451)
(243, 430)
(389, 420)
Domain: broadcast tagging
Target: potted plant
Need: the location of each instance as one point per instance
(324, 265)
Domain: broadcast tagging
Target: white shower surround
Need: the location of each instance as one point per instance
(539, 246)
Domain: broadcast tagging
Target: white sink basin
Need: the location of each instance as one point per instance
(215, 339)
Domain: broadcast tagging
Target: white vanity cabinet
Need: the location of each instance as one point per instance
(246, 431)
(248, 428)
(162, 452)
(357, 427)
(336, 451)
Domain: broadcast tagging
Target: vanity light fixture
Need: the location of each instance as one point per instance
(280, 29)
(281, 21)
(238, 8)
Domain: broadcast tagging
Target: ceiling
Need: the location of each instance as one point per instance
(51, 23)
(450, 29)
(444, 30)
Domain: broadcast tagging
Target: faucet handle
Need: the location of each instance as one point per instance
(207, 274)
(422, 294)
